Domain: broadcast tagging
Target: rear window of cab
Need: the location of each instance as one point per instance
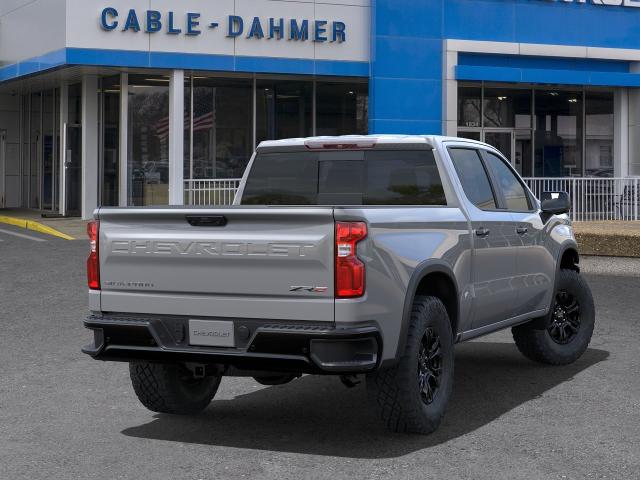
(375, 177)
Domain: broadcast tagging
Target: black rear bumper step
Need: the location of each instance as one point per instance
(260, 345)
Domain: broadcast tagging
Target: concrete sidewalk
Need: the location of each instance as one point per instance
(612, 266)
(75, 228)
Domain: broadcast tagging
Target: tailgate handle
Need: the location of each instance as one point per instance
(207, 220)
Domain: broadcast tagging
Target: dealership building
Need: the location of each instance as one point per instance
(151, 102)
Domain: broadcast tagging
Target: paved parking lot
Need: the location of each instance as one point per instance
(65, 416)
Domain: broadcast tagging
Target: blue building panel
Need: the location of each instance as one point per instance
(543, 63)
(564, 71)
(560, 23)
(406, 67)
(408, 37)
(480, 20)
(420, 64)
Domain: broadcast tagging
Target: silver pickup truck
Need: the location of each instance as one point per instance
(340, 256)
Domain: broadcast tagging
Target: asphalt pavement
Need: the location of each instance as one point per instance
(65, 416)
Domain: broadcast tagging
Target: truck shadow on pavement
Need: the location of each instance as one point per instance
(317, 415)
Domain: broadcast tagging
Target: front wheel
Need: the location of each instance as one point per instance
(172, 388)
(568, 329)
(412, 396)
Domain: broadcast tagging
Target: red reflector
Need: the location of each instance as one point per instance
(93, 262)
(349, 269)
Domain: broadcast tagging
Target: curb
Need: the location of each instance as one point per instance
(608, 245)
(35, 226)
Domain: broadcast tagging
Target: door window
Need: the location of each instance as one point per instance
(513, 191)
(473, 177)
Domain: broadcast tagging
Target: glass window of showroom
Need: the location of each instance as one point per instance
(225, 117)
(549, 131)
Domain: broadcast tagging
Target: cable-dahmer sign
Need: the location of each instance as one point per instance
(191, 23)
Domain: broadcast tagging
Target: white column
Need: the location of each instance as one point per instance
(621, 133)
(90, 175)
(123, 181)
(176, 138)
(450, 92)
(64, 119)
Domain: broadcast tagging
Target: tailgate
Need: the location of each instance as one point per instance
(185, 262)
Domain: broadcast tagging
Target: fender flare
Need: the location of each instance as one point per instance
(542, 322)
(566, 246)
(421, 271)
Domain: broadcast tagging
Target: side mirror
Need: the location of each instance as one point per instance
(555, 203)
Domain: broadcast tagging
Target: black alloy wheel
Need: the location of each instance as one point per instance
(565, 319)
(429, 365)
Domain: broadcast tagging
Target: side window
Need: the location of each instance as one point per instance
(514, 193)
(473, 177)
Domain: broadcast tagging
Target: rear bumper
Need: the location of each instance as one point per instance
(264, 346)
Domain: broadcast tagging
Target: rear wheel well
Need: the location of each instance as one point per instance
(570, 260)
(440, 285)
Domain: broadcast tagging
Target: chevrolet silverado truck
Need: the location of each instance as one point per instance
(349, 256)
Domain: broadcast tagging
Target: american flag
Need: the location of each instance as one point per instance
(203, 122)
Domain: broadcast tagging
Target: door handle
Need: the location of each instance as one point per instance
(483, 232)
(522, 230)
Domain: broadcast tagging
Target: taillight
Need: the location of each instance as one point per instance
(349, 268)
(93, 262)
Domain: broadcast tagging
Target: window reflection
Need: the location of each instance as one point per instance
(341, 108)
(110, 139)
(148, 144)
(507, 107)
(599, 134)
(544, 131)
(283, 109)
(222, 128)
(469, 106)
(48, 152)
(558, 151)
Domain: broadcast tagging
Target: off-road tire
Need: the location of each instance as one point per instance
(396, 392)
(171, 388)
(537, 344)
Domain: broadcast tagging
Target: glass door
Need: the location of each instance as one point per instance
(522, 160)
(501, 140)
(49, 161)
(73, 170)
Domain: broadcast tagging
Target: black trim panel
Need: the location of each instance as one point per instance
(278, 347)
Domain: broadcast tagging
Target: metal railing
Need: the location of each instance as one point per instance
(218, 191)
(593, 198)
